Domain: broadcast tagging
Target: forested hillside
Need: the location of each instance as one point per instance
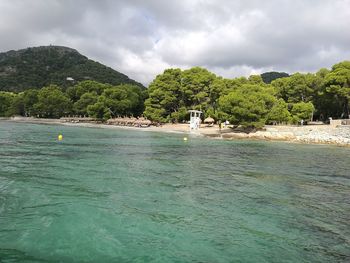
(41, 66)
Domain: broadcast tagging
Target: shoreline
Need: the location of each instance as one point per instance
(308, 134)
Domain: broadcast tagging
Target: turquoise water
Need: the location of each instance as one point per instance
(106, 195)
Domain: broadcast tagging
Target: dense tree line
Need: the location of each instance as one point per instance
(249, 102)
(87, 98)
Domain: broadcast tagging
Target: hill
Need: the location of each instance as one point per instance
(268, 77)
(40, 66)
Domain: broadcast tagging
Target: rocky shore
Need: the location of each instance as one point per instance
(316, 134)
(311, 134)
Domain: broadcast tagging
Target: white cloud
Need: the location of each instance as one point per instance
(142, 38)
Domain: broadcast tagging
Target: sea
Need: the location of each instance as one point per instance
(117, 195)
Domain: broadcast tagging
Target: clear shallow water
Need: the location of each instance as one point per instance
(127, 196)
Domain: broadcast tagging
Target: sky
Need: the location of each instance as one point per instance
(142, 38)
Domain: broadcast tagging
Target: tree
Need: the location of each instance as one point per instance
(165, 96)
(6, 101)
(302, 111)
(87, 86)
(256, 79)
(233, 84)
(30, 98)
(282, 87)
(195, 86)
(181, 115)
(248, 106)
(279, 112)
(295, 88)
(326, 104)
(157, 114)
(99, 110)
(216, 89)
(137, 96)
(23, 103)
(52, 103)
(338, 84)
(89, 98)
(122, 100)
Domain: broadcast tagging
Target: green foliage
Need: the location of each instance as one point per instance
(52, 103)
(174, 92)
(6, 102)
(80, 107)
(217, 88)
(279, 113)
(156, 114)
(122, 100)
(302, 111)
(248, 106)
(182, 115)
(296, 88)
(42, 66)
(87, 86)
(24, 102)
(30, 98)
(337, 83)
(87, 98)
(256, 79)
(196, 86)
(164, 93)
(99, 109)
(268, 77)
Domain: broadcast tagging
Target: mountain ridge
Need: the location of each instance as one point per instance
(36, 67)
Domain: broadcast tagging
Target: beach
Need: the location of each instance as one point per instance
(309, 134)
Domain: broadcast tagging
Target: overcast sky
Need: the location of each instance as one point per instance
(141, 38)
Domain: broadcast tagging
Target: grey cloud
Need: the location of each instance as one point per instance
(142, 38)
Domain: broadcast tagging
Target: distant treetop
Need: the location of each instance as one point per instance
(268, 77)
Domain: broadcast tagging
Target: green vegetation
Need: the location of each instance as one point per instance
(268, 77)
(279, 113)
(7, 100)
(52, 103)
(249, 102)
(122, 100)
(89, 98)
(37, 67)
(248, 105)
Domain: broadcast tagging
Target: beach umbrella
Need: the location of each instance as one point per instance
(209, 120)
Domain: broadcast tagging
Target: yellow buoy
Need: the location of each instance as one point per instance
(185, 138)
(60, 137)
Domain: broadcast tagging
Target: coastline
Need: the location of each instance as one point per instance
(308, 134)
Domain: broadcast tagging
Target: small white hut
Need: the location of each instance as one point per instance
(195, 119)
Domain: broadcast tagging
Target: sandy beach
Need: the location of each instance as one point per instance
(310, 134)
